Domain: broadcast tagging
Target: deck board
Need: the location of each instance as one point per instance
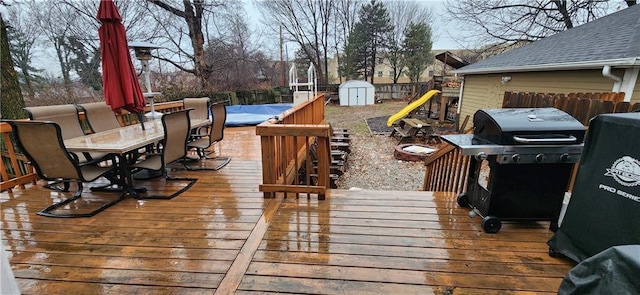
(222, 237)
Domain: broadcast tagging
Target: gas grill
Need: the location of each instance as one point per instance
(522, 161)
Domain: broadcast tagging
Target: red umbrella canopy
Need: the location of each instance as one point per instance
(121, 86)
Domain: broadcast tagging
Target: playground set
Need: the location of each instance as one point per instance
(423, 113)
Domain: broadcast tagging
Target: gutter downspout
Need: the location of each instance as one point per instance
(629, 82)
(606, 72)
(625, 84)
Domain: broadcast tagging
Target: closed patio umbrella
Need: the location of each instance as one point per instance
(121, 86)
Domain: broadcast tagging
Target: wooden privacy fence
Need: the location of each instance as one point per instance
(286, 151)
(446, 169)
(16, 171)
(582, 106)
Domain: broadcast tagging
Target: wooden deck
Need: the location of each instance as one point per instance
(222, 237)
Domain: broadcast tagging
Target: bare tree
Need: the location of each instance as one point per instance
(500, 22)
(402, 14)
(48, 17)
(70, 29)
(185, 41)
(236, 61)
(344, 22)
(307, 23)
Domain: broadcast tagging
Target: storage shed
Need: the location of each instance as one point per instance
(356, 93)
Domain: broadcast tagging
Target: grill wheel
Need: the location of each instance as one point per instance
(491, 224)
(463, 200)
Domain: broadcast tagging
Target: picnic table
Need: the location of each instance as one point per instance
(410, 127)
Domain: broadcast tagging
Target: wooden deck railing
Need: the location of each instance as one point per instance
(285, 144)
(447, 169)
(16, 171)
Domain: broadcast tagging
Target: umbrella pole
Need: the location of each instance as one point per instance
(141, 119)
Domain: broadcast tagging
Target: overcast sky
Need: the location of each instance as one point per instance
(442, 32)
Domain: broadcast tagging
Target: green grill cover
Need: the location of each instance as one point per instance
(605, 204)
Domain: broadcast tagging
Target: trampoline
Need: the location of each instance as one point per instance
(250, 115)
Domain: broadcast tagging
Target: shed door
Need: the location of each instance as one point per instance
(357, 96)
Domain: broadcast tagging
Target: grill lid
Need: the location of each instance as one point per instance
(514, 126)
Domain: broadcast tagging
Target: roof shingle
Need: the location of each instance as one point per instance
(615, 37)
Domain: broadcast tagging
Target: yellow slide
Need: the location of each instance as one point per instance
(412, 106)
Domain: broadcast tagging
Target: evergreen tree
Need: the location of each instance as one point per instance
(11, 101)
(86, 63)
(417, 50)
(21, 46)
(356, 58)
(376, 29)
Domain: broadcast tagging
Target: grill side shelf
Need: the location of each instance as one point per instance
(469, 146)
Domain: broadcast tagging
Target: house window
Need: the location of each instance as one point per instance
(390, 74)
(431, 73)
(379, 74)
(380, 60)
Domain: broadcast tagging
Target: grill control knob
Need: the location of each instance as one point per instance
(515, 158)
(564, 157)
(481, 156)
(540, 158)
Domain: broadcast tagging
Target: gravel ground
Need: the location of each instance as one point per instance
(371, 164)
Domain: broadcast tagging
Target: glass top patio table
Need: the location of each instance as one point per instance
(124, 139)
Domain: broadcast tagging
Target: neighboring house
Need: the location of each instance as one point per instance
(384, 72)
(600, 56)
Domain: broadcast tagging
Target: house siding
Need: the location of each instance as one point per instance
(480, 92)
(487, 91)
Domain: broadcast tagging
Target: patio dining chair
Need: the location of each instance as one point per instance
(216, 134)
(65, 115)
(43, 145)
(68, 120)
(99, 116)
(200, 106)
(173, 148)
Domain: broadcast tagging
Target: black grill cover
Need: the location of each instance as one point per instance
(498, 126)
(612, 271)
(605, 204)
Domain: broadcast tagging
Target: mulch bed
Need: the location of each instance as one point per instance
(378, 125)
